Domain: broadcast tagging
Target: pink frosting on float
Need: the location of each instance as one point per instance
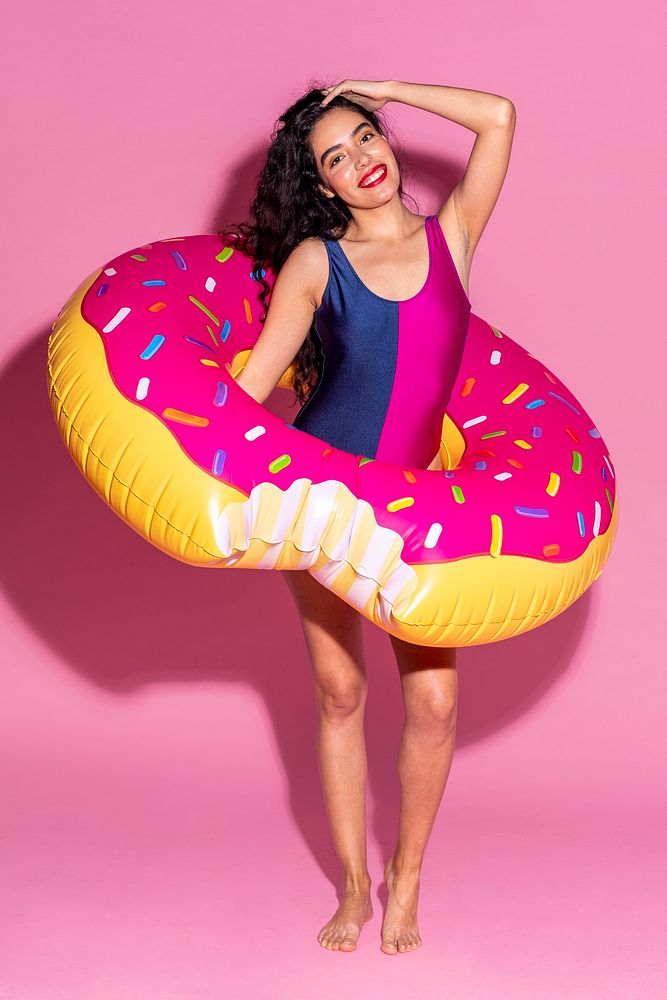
(172, 315)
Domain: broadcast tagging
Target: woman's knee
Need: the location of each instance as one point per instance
(342, 697)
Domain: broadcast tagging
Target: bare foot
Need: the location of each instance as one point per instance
(342, 931)
(399, 927)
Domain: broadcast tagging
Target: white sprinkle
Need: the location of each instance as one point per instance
(495, 357)
(255, 432)
(596, 520)
(142, 387)
(610, 468)
(433, 535)
(210, 284)
(503, 475)
(109, 270)
(118, 318)
(473, 421)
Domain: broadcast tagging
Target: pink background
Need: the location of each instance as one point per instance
(163, 829)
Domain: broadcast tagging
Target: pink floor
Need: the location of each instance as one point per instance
(163, 829)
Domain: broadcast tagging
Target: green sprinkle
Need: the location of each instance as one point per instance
(492, 434)
(138, 256)
(279, 463)
(458, 494)
(224, 254)
(576, 461)
(202, 306)
(364, 460)
(611, 506)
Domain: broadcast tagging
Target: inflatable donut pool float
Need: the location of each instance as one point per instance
(141, 371)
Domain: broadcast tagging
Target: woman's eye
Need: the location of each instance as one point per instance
(365, 135)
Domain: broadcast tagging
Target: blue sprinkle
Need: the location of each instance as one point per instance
(179, 259)
(154, 281)
(560, 398)
(200, 343)
(220, 394)
(603, 470)
(480, 465)
(155, 345)
(102, 290)
(224, 333)
(534, 404)
(594, 432)
(580, 519)
(449, 474)
(532, 511)
(536, 432)
(218, 461)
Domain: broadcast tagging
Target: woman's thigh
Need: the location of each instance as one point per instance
(333, 633)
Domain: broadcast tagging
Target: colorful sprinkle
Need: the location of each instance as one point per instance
(155, 344)
(513, 462)
(568, 430)
(522, 444)
(110, 270)
(184, 418)
(210, 284)
(102, 290)
(515, 393)
(596, 519)
(550, 377)
(553, 484)
(118, 318)
(594, 432)
(534, 403)
(210, 362)
(157, 307)
(502, 476)
(580, 522)
(480, 466)
(218, 461)
(248, 310)
(224, 254)
(496, 333)
(609, 466)
(280, 463)
(458, 494)
(142, 387)
(492, 434)
(138, 256)
(154, 281)
(180, 261)
(255, 432)
(473, 421)
(536, 432)
(395, 505)
(220, 394)
(200, 305)
(211, 334)
(467, 387)
(224, 333)
(496, 535)
(409, 476)
(561, 400)
(576, 461)
(495, 357)
(199, 343)
(611, 506)
(532, 511)
(433, 535)
(364, 461)
(551, 550)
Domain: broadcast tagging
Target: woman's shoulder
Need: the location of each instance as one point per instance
(308, 264)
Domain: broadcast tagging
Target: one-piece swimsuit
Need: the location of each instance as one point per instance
(389, 365)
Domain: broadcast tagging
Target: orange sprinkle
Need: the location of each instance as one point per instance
(184, 418)
(467, 387)
(248, 311)
(513, 461)
(157, 306)
(410, 476)
(551, 378)
(551, 550)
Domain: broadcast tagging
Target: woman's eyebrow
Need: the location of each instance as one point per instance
(338, 144)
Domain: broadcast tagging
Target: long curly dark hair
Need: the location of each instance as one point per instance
(289, 207)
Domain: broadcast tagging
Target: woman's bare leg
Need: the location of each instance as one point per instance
(332, 630)
(430, 687)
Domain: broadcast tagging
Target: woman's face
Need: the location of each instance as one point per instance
(347, 148)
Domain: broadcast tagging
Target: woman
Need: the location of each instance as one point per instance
(333, 225)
